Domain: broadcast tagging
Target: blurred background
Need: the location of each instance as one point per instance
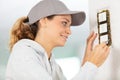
(71, 54)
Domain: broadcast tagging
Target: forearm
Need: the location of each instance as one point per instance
(86, 72)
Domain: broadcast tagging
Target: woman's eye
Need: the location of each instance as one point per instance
(64, 23)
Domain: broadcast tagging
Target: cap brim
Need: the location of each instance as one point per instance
(77, 17)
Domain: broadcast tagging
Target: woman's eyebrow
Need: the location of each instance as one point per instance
(67, 19)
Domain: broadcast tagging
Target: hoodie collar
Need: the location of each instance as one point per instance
(41, 51)
(36, 46)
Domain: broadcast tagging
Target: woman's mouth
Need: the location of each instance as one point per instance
(64, 37)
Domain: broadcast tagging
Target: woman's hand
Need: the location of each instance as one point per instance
(96, 55)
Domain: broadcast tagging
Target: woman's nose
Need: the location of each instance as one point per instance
(68, 30)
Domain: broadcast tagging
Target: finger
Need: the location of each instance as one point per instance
(103, 44)
(106, 48)
(91, 40)
(88, 39)
(91, 34)
(107, 51)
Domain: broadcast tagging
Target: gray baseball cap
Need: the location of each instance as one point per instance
(54, 7)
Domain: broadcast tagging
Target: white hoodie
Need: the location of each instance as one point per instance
(28, 61)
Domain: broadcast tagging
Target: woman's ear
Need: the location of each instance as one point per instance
(42, 22)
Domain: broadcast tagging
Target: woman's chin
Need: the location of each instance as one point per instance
(61, 45)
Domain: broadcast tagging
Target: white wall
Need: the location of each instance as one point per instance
(110, 70)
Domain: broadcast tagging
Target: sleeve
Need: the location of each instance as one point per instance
(87, 72)
(24, 65)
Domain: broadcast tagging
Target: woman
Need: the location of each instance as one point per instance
(33, 38)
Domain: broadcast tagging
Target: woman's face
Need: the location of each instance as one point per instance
(58, 29)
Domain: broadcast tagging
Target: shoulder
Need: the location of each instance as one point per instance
(23, 50)
(21, 47)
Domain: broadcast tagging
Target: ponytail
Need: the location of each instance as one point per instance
(21, 30)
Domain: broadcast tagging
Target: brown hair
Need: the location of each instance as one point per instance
(22, 30)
